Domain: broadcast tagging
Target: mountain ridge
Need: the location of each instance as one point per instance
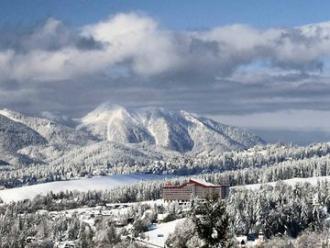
(179, 131)
(114, 134)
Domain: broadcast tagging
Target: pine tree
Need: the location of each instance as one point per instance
(212, 223)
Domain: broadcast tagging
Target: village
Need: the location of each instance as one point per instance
(159, 217)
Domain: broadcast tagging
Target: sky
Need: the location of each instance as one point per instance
(262, 65)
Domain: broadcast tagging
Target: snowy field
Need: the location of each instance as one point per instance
(159, 234)
(110, 182)
(292, 181)
(85, 184)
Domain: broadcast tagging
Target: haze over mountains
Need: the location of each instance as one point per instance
(116, 134)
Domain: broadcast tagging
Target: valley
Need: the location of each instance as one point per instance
(115, 158)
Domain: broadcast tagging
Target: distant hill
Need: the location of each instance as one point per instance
(178, 131)
(113, 134)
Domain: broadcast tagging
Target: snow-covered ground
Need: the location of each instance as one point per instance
(292, 181)
(159, 234)
(83, 185)
(110, 182)
(155, 237)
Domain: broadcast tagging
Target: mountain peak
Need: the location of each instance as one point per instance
(175, 130)
(114, 131)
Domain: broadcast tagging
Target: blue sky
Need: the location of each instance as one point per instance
(247, 63)
(183, 14)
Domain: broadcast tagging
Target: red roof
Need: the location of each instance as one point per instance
(194, 181)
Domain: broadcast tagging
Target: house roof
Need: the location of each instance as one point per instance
(195, 181)
(202, 182)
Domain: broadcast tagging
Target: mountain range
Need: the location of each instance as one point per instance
(114, 134)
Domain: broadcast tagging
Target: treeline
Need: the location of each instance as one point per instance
(280, 210)
(312, 167)
(288, 158)
(73, 199)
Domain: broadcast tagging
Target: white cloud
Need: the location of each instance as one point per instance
(139, 44)
(235, 68)
(242, 37)
(138, 39)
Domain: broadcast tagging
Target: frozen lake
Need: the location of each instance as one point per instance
(84, 184)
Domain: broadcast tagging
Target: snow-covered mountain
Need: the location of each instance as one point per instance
(115, 135)
(53, 132)
(178, 131)
(15, 136)
(34, 139)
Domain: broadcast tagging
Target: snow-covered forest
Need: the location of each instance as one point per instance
(287, 210)
(259, 164)
(64, 172)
